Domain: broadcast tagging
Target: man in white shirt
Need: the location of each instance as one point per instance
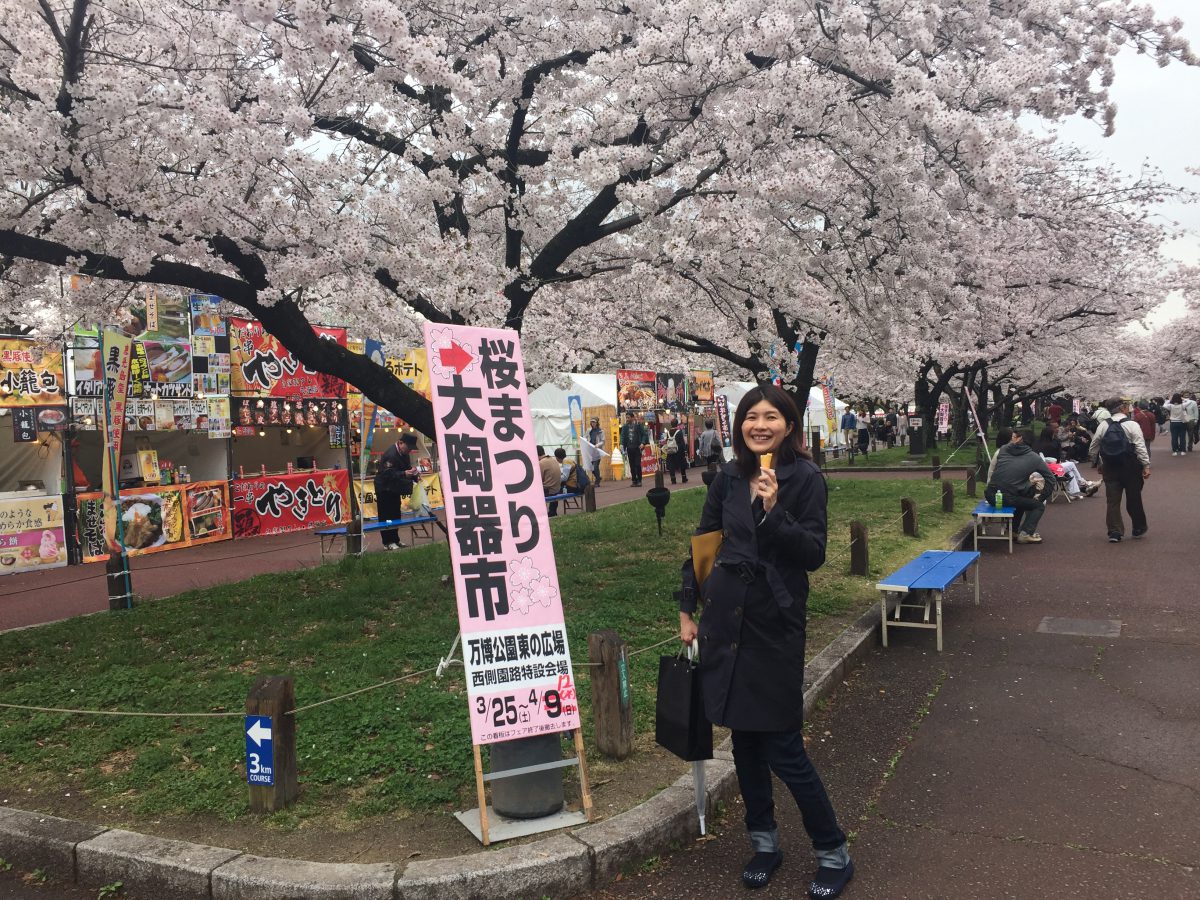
(1190, 414)
(1123, 472)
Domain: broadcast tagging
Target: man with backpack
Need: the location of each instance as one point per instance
(574, 476)
(1124, 466)
(675, 446)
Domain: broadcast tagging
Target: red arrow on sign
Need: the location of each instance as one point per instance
(455, 357)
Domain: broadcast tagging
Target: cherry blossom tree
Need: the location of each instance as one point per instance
(383, 162)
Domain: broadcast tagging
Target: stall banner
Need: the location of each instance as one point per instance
(161, 369)
(635, 389)
(413, 369)
(210, 345)
(700, 386)
(219, 424)
(514, 640)
(32, 534)
(275, 504)
(723, 419)
(671, 391)
(263, 367)
(361, 410)
(649, 459)
(117, 350)
(364, 495)
(31, 374)
(164, 517)
(86, 413)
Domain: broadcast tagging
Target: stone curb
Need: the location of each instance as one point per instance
(561, 865)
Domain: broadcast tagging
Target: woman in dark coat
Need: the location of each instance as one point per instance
(753, 627)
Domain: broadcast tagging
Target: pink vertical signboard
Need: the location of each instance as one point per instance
(514, 641)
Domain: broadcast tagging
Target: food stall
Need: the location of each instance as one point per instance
(33, 418)
(290, 437)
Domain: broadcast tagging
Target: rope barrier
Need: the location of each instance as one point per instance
(354, 693)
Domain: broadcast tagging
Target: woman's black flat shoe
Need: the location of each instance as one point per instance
(828, 883)
(761, 867)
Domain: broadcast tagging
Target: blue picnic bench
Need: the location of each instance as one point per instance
(418, 526)
(926, 578)
(985, 516)
(569, 500)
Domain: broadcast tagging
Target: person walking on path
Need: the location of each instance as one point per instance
(1177, 419)
(393, 482)
(1124, 466)
(633, 436)
(595, 437)
(1146, 422)
(1012, 475)
(1192, 415)
(675, 446)
(752, 629)
(710, 444)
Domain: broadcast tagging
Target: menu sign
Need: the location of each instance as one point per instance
(518, 664)
(31, 534)
(636, 389)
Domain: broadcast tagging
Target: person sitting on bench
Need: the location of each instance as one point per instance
(1014, 464)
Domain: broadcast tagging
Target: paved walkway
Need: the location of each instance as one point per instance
(38, 597)
(1021, 761)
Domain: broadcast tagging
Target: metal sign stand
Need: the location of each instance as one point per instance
(488, 826)
(484, 822)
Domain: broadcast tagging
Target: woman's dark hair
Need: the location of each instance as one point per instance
(1003, 436)
(1177, 398)
(792, 446)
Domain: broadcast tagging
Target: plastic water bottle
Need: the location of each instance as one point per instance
(999, 500)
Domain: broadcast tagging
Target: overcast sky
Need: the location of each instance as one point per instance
(1158, 122)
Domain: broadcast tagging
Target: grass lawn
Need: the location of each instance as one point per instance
(897, 456)
(349, 625)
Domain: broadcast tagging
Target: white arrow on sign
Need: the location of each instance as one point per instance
(258, 733)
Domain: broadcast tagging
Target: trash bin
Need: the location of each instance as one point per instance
(528, 796)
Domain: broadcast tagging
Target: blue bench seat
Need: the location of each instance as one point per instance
(928, 577)
(418, 526)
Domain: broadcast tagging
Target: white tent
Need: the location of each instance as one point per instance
(548, 406)
(814, 415)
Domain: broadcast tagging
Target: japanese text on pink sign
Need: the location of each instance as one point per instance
(518, 665)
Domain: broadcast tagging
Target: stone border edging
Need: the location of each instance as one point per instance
(562, 864)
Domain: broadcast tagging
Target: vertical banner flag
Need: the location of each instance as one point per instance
(514, 640)
(117, 353)
(830, 412)
(723, 419)
(943, 417)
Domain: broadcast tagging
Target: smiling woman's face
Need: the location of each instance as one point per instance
(764, 428)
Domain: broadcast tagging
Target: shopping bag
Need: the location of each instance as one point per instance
(679, 721)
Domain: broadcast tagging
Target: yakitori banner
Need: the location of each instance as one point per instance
(263, 367)
(274, 504)
(31, 374)
(518, 665)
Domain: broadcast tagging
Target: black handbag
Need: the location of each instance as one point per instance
(679, 721)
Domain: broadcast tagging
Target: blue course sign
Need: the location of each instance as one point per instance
(260, 753)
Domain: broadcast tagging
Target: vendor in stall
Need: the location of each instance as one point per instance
(393, 482)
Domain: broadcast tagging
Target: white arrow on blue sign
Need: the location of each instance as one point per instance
(260, 752)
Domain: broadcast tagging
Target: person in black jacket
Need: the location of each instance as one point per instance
(752, 629)
(393, 482)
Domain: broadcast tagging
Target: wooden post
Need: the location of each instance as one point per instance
(275, 696)
(947, 496)
(354, 536)
(937, 467)
(610, 694)
(860, 556)
(971, 492)
(909, 507)
(589, 497)
(120, 589)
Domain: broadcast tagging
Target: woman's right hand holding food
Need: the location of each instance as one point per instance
(688, 629)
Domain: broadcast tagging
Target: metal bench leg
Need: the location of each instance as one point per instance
(976, 582)
(975, 532)
(883, 614)
(939, 621)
